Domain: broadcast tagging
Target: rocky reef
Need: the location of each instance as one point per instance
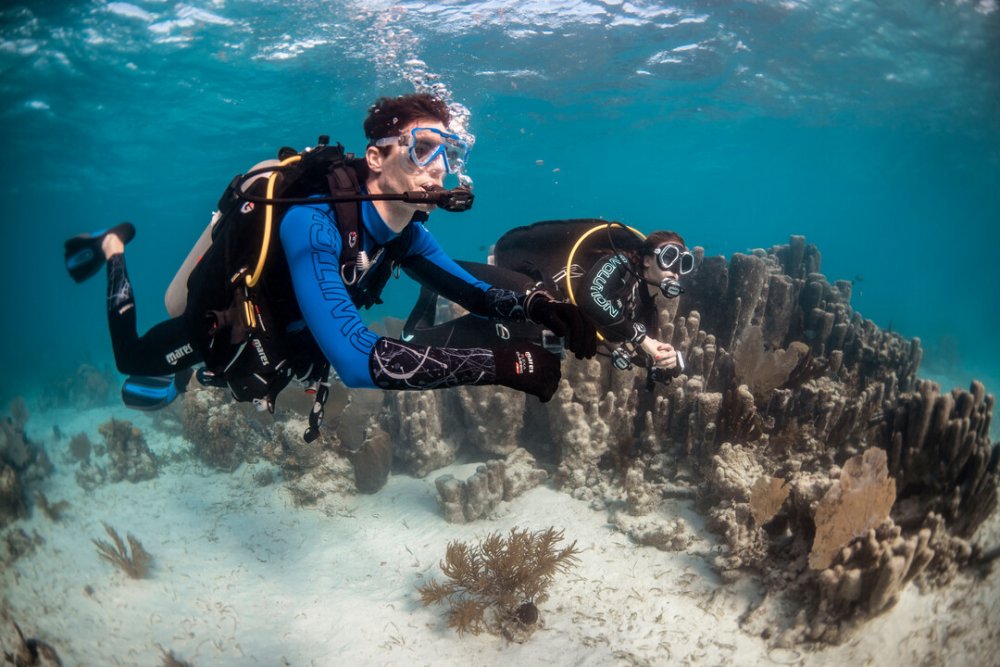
(128, 457)
(22, 463)
(225, 434)
(800, 429)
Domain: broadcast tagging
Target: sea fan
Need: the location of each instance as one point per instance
(497, 584)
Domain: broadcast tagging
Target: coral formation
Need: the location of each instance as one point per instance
(767, 496)
(429, 428)
(80, 447)
(418, 432)
(372, 461)
(135, 563)
(497, 585)
(17, 543)
(495, 481)
(860, 501)
(22, 463)
(312, 470)
(785, 384)
(129, 456)
(224, 433)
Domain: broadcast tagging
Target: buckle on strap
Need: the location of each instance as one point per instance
(322, 388)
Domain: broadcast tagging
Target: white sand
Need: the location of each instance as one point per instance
(243, 577)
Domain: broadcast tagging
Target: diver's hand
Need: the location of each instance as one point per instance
(564, 320)
(528, 368)
(662, 355)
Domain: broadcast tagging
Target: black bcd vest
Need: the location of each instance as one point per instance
(245, 334)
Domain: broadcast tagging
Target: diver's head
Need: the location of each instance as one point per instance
(665, 259)
(389, 115)
(409, 145)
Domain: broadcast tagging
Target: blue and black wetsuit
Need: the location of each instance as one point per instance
(325, 305)
(328, 301)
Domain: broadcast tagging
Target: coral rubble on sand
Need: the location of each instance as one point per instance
(826, 465)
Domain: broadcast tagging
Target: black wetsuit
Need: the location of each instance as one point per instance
(163, 350)
(608, 294)
(611, 295)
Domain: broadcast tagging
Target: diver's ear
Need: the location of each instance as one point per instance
(648, 262)
(374, 158)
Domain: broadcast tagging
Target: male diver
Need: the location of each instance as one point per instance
(309, 294)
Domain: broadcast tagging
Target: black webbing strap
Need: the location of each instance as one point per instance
(316, 414)
(343, 182)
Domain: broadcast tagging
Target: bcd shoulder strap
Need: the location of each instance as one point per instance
(343, 182)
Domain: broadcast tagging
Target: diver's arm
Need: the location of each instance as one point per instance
(601, 296)
(363, 359)
(429, 264)
(312, 246)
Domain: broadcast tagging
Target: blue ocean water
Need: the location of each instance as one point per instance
(871, 128)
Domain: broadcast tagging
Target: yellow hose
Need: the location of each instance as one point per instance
(268, 215)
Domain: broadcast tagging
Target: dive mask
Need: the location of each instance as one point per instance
(672, 255)
(427, 143)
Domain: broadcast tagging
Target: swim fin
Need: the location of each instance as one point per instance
(155, 392)
(84, 256)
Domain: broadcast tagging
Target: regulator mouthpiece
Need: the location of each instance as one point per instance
(671, 288)
(455, 200)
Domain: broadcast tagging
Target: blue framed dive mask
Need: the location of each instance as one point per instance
(427, 143)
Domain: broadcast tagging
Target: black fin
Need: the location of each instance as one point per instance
(155, 392)
(84, 256)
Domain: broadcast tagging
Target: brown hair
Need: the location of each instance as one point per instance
(658, 238)
(388, 114)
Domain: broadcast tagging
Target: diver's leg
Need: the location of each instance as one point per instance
(163, 350)
(498, 276)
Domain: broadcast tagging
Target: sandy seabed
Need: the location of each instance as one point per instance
(241, 576)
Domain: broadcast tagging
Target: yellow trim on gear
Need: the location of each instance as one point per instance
(576, 246)
(268, 215)
(248, 315)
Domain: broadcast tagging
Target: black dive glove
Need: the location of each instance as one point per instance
(528, 368)
(564, 320)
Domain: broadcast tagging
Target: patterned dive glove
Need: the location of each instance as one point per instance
(528, 368)
(395, 364)
(564, 320)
